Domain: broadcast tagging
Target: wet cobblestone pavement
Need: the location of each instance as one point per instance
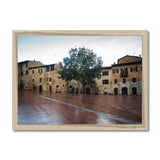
(46, 108)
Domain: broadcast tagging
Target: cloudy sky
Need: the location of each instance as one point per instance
(52, 49)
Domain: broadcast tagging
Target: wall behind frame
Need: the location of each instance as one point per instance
(107, 15)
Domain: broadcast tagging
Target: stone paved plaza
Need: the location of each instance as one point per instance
(56, 108)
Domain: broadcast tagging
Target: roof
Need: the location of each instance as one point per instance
(25, 61)
(127, 63)
(41, 66)
(128, 56)
(108, 67)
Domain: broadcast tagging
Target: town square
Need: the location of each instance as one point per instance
(81, 88)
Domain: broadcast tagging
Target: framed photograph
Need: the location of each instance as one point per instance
(80, 80)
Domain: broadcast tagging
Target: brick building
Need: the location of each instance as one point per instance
(123, 78)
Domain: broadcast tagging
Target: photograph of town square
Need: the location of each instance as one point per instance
(79, 79)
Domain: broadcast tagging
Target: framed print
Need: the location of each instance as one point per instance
(80, 80)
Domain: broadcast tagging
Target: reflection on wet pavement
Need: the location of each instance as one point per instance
(34, 108)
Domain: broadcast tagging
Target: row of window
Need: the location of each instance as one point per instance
(22, 73)
(40, 80)
(132, 69)
(106, 81)
(106, 73)
(40, 70)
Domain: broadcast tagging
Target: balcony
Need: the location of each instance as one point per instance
(124, 74)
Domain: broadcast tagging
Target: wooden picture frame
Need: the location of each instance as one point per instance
(143, 33)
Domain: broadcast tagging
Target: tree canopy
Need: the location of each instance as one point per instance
(82, 65)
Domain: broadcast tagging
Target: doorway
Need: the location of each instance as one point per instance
(87, 90)
(40, 88)
(134, 91)
(124, 91)
(116, 91)
(57, 89)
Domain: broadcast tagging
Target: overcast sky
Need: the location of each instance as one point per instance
(52, 49)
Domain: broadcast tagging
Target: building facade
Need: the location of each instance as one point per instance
(123, 78)
(40, 77)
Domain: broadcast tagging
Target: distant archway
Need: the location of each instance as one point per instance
(57, 89)
(115, 91)
(134, 91)
(40, 88)
(87, 90)
(77, 91)
(124, 91)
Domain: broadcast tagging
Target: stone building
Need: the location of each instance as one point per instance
(33, 75)
(24, 73)
(127, 76)
(123, 78)
(105, 82)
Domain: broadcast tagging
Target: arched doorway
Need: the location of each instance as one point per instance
(57, 89)
(77, 91)
(124, 91)
(34, 87)
(50, 88)
(87, 90)
(115, 91)
(70, 89)
(40, 88)
(134, 91)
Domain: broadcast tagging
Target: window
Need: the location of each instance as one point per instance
(115, 81)
(52, 67)
(40, 71)
(124, 80)
(33, 80)
(40, 79)
(32, 71)
(106, 81)
(136, 69)
(105, 73)
(26, 72)
(130, 69)
(134, 80)
(47, 68)
(50, 79)
(21, 73)
(26, 64)
(117, 70)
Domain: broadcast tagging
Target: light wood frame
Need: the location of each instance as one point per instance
(143, 33)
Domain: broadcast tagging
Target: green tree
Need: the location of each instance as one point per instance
(82, 65)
